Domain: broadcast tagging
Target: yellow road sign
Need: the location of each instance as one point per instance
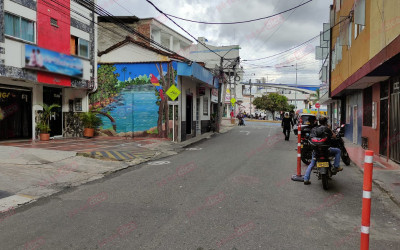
(233, 100)
(173, 92)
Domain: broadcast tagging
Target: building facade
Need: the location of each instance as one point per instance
(134, 99)
(46, 57)
(365, 72)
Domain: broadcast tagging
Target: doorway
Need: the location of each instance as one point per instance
(383, 119)
(394, 143)
(355, 124)
(198, 129)
(189, 114)
(15, 113)
(54, 96)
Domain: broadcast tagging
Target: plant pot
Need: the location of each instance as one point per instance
(44, 137)
(88, 132)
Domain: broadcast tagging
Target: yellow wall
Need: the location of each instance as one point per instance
(382, 27)
(356, 55)
(384, 32)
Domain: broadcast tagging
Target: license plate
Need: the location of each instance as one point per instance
(322, 164)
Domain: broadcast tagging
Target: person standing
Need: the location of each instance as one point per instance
(287, 123)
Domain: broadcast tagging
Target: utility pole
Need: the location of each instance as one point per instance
(221, 81)
(295, 93)
(234, 88)
(250, 96)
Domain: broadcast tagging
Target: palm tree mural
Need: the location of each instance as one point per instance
(124, 69)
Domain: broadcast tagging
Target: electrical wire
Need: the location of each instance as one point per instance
(182, 28)
(297, 45)
(102, 12)
(238, 22)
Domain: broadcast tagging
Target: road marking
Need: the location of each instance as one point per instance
(14, 201)
(248, 132)
(123, 155)
(193, 149)
(156, 163)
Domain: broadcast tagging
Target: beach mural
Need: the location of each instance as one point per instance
(128, 93)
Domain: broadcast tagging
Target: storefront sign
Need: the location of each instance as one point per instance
(4, 95)
(50, 61)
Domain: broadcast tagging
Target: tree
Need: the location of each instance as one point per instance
(271, 102)
(124, 69)
(291, 107)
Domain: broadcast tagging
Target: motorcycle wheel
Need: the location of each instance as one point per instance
(325, 180)
(306, 156)
(345, 157)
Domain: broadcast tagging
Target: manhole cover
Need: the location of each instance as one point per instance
(158, 163)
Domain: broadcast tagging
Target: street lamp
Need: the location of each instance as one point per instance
(295, 92)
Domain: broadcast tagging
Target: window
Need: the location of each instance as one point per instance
(19, 27)
(367, 107)
(357, 29)
(79, 47)
(205, 106)
(374, 120)
(54, 22)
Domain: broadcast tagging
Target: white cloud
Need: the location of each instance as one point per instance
(257, 39)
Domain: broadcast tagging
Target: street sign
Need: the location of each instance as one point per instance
(173, 103)
(317, 105)
(173, 92)
(233, 101)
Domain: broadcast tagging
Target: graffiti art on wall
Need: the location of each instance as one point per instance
(126, 93)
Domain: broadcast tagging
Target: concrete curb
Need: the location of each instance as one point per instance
(379, 185)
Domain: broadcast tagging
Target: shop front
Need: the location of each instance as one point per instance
(15, 112)
(196, 85)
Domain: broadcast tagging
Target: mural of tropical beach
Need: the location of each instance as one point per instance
(46, 60)
(126, 94)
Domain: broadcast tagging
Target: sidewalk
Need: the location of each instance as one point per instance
(33, 170)
(386, 174)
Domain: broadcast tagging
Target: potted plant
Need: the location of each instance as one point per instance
(90, 122)
(44, 121)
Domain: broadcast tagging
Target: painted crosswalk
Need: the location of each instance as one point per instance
(123, 155)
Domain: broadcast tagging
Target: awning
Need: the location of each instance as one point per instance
(196, 71)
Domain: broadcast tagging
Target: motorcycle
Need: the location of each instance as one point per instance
(306, 148)
(324, 168)
(339, 143)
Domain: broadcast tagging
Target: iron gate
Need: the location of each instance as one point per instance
(394, 142)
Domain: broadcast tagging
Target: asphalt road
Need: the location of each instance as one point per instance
(232, 191)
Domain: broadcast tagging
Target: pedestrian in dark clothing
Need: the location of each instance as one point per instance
(287, 123)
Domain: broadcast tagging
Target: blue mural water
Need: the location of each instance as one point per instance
(127, 95)
(135, 109)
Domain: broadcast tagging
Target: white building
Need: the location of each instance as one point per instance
(46, 57)
(231, 65)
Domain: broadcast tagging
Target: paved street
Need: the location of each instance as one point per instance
(232, 191)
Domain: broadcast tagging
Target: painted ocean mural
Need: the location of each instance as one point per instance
(135, 109)
(126, 94)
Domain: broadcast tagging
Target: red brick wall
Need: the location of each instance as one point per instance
(373, 134)
(144, 28)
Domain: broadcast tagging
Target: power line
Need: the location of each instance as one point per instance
(182, 28)
(297, 45)
(238, 22)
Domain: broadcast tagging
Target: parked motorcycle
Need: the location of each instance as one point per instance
(339, 143)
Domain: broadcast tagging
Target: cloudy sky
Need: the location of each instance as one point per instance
(257, 39)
